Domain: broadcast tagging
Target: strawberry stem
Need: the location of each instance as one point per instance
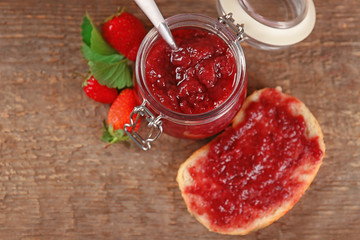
(120, 11)
(124, 60)
(107, 145)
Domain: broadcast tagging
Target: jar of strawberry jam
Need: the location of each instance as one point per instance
(196, 90)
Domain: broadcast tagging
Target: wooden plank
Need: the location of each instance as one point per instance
(57, 181)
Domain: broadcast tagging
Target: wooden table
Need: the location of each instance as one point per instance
(57, 181)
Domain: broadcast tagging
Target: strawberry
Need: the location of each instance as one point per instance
(119, 114)
(98, 92)
(124, 32)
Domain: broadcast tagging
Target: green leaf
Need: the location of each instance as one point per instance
(86, 29)
(106, 137)
(111, 136)
(93, 38)
(120, 135)
(113, 75)
(98, 44)
(90, 55)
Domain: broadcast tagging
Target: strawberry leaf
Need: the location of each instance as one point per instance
(93, 38)
(90, 55)
(111, 136)
(108, 66)
(113, 75)
(86, 29)
(98, 44)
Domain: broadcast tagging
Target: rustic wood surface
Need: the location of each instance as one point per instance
(57, 181)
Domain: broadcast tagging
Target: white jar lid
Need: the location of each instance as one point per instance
(268, 34)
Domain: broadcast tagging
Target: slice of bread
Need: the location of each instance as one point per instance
(197, 185)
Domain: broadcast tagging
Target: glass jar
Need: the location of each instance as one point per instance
(193, 126)
(196, 126)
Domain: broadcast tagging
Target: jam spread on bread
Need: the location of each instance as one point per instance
(195, 78)
(251, 168)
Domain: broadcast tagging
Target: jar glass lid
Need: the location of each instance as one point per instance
(271, 24)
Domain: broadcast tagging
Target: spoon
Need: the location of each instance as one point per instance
(152, 11)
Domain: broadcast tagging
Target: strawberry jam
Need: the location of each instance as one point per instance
(196, 77)
(250, 169)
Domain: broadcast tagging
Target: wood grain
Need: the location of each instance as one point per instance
(57, 181)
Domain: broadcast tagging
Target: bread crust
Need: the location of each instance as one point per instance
(306, 173)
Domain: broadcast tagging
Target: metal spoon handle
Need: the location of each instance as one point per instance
(152, 11)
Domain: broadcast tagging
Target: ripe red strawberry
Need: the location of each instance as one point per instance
(119, 114)
(124, 32)
(98, 92)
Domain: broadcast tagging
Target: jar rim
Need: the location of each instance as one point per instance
(195, 21)
(267, 34)
(295, 10)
